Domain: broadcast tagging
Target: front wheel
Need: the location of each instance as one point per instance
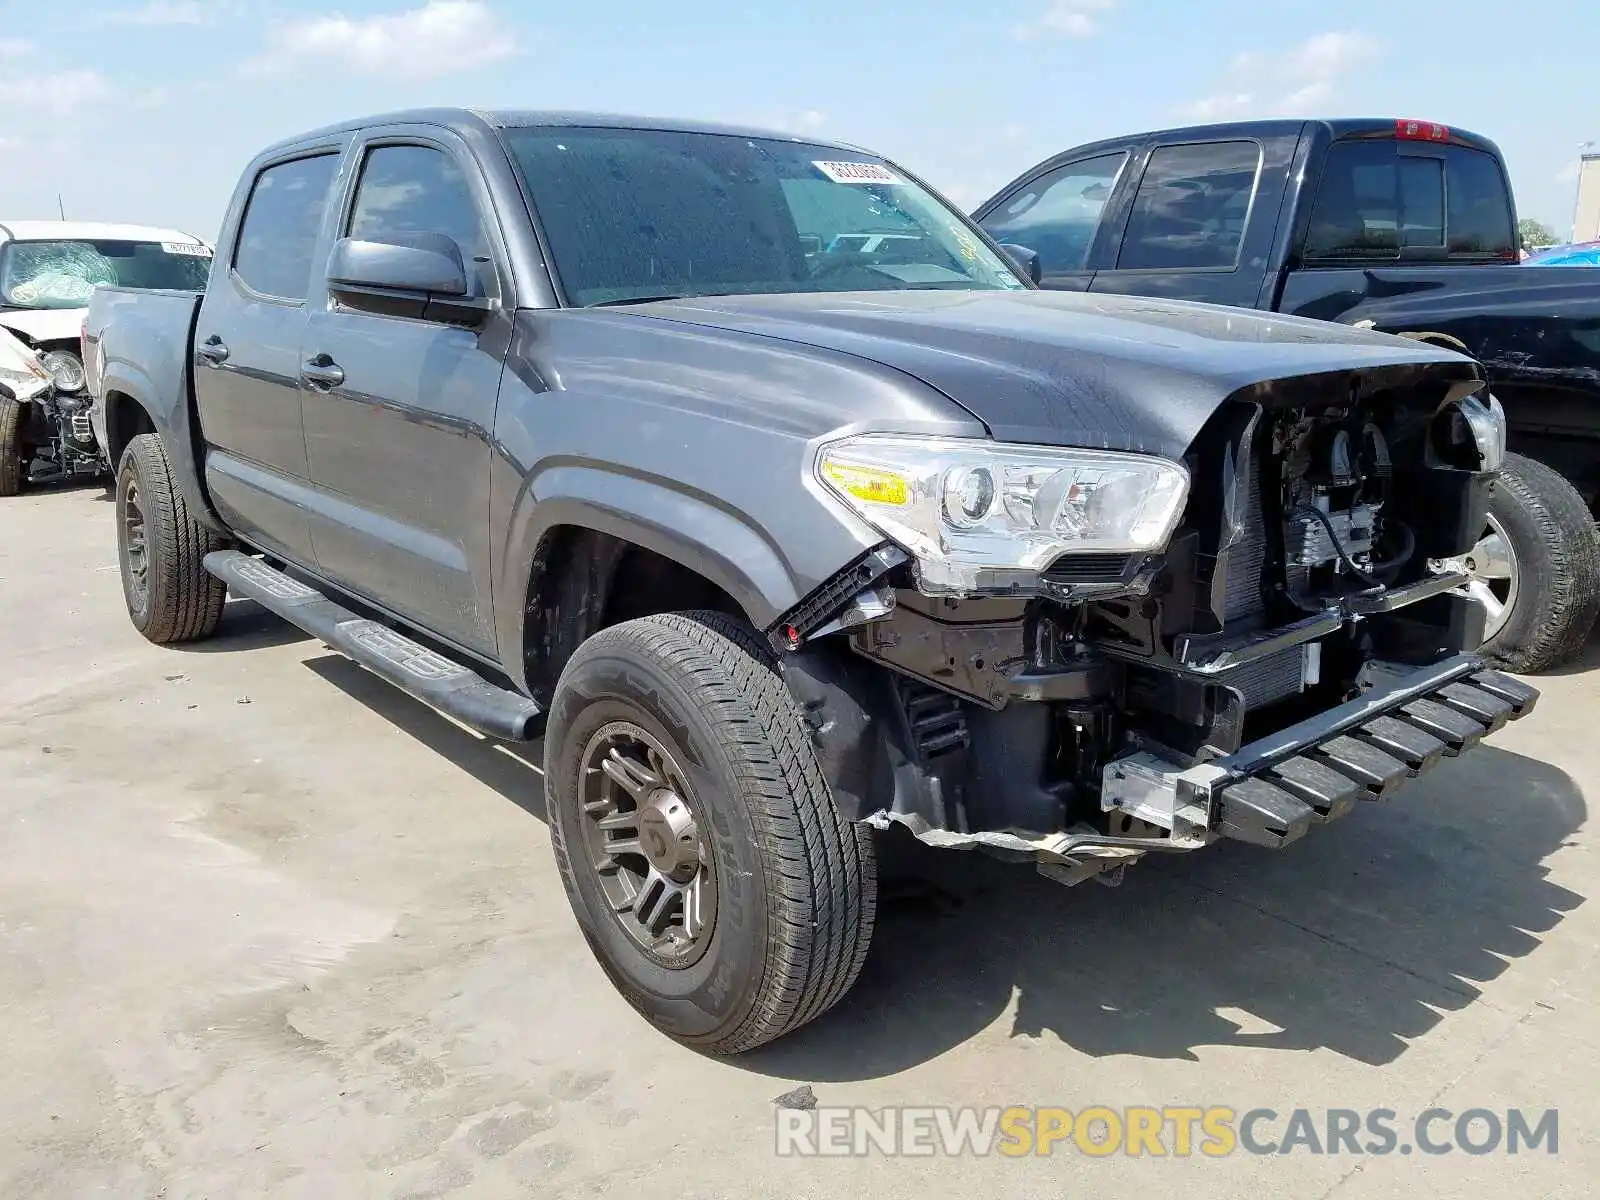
(703, 856)
(13, 459)
(1536, 570)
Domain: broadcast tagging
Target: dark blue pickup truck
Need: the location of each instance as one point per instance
(757, 481)
(1403, 226)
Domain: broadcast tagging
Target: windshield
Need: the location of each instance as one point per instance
(62, 274)
(633, 214)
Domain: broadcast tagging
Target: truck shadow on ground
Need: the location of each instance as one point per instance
(246, 626)
(1360, 938)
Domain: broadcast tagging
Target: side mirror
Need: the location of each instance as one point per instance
(430, 263)
(1026, 259)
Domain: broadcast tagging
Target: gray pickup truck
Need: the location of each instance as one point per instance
(757, 481)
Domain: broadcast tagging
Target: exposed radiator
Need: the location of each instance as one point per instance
(1270, 679)
(1247, 557)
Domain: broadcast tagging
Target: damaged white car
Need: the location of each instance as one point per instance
(48, 271)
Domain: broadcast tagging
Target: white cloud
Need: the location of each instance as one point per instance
(16, 48)
(57, 93)
(1065, 18)
(1300, 81)
(441, 37)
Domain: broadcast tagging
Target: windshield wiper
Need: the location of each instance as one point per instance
(634, 300)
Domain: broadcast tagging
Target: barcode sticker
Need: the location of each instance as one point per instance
(857, 172)
(193, 249)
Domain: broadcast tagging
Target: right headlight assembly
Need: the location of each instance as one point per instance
(982, 516)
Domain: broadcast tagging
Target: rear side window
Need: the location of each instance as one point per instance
(1056, 215)
(282, 222)
(1376, 203)
(408, 190)
(1191, 208)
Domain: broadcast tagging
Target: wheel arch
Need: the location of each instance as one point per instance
(126, 418)
(580, 535)
(583, 578)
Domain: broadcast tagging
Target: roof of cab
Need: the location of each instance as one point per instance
(464, 119)
(89, 231)
(1337, 128)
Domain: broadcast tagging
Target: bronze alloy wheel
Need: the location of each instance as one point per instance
(136, 546)
(642, 838)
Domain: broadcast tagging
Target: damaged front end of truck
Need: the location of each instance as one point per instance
(1080, 657)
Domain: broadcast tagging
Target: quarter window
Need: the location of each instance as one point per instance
(1191, 208)
(282, 222)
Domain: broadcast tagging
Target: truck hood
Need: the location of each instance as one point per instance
(44, 324)
(1062, 368)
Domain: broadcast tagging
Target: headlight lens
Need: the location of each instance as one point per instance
(984, 516)
(66, 368)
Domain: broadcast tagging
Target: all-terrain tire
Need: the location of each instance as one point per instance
(13, 466)
(797, 884)
(178, 601)
(1553, 536)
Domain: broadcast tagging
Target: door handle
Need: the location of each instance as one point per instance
(214, 351)
(322, 371)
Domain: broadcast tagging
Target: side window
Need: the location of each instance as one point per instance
(282, 221)
(1057, 214)
(406, 190)
(1191, 208)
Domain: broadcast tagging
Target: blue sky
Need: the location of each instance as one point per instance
(145, 110)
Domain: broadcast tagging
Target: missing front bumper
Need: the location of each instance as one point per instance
(1271, 792)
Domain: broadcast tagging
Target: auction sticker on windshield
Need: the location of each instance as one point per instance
(857, 172)
(186, 248)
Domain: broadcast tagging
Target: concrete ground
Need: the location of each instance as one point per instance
(268, 928)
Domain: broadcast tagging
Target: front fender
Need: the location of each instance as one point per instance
(693, 529)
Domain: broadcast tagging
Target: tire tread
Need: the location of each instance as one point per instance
(1564, 584)
(185, 600)
(12, 468)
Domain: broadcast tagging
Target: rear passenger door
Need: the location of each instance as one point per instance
(1060, 215)
(247, 354)
(399, 399)
(1202, 222)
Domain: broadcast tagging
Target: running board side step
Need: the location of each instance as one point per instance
(430, 677)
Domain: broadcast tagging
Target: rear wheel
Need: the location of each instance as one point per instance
(1536, 570)
(705, 861)
(161, 548)
(13, 463)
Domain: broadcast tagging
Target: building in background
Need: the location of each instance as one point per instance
(1586, 216)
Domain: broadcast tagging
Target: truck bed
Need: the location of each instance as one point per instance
(139, 345)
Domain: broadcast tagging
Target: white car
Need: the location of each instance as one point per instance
(24, 383)
(48, 270)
